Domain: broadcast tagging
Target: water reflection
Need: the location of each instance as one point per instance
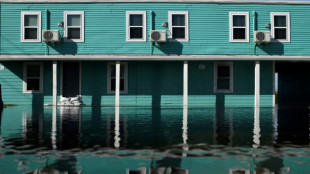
(245, 139)
(70, 127)
(256, 130)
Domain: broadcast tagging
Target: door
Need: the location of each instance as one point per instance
(70, 79)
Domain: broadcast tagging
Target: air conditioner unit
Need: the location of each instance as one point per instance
(158, 36)
(50, 35)
(261, 36)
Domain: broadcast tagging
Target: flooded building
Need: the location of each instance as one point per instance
(155, 53)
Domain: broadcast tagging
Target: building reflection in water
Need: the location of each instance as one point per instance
(70, 127)
(117, 132)
(226, 131)
(223, 130)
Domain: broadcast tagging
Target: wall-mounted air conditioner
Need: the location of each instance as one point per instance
(50, 36)
(158, 36)
(261, 36)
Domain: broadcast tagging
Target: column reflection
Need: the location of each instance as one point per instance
(70, 126)
(117, 138)
(185, 132)
(54, 128)
(256, 130)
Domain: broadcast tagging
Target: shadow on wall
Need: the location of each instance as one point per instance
(273, 48)
(170, 47)
(65, 47)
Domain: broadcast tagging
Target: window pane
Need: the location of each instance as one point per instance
(239, 33)
(122, 71)
(223, 84)
(122, 85)
(178, 33)
(280, 21)
(136, 33)
(112, 84)
(33, 70)
(280, 33)
(33, 84)
(31, 20)
(178, 20)
(73, 33)
(136, 20)
(74, 20)
(223, 71)
(238, 20)
(30, 33)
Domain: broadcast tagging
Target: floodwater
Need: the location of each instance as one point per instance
(142, 140)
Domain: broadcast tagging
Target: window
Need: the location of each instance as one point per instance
(178, 25)
(136, 25)
(74, 26)
(112, 77)
(280, 26)
(31, 26)
(239, 26)
(223, 77)
(33, 78)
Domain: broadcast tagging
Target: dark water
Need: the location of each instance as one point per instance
(154, 140)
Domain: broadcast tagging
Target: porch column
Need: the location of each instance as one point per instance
(185, 83)
(54, 82)
(257, 84)
(117, 82)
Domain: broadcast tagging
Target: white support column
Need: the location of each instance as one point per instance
(257, 84)
(117, 82)
(54, 82)
(274, 84)
(185, 83)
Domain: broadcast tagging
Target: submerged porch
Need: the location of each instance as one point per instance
(141, 83)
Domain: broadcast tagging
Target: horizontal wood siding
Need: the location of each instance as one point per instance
(160, 84)
(105, 29)
(155, 84)
(11, 79)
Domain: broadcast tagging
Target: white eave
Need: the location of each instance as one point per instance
(164, 1)
(131, 57)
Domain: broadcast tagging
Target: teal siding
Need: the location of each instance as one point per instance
(105, 29)
(155, 84)
(11, 79)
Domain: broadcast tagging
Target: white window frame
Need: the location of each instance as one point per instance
(125, 91)
(231, 26)
(66, 13)
(40, 91)
(23, 13)
(170, 13)
(231, 79)
(128, 13)
(288, 26)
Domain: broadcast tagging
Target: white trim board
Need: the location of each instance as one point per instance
(163, 1)
(142, 57)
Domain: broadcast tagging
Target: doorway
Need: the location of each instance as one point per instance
(70, 79)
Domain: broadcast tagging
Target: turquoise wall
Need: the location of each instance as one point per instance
(151, 83)
(105, 28)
